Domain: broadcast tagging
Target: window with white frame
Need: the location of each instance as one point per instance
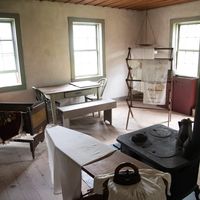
(185, 40)
(12, 75)
(87, 57)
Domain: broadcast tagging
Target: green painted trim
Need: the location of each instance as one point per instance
(71, 50)
(20, 54)
(173, 28)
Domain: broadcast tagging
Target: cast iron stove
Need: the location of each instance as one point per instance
(156, 146)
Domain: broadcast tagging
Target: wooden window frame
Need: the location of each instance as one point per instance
(174, 36)
(18, 52)
(101, 58)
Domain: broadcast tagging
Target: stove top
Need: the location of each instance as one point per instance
(159, 146)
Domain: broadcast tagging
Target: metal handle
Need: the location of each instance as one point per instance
(126, 164)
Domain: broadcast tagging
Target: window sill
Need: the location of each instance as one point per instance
(186, 77)
(96, 78)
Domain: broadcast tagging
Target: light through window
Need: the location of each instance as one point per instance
(185, 39)
(85, 50)
(8, 69)
(86, 37)
(11, 75)
(188, 50)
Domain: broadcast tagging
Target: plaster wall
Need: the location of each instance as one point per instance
(44, 30)
(160, 20)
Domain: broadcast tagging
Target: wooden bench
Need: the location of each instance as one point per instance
(81, 109)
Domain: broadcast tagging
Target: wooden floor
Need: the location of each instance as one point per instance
(23, 178)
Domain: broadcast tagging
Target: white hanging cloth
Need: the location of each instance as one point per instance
(140, 53)
(154, 76)
(137, 54)
(136, 66)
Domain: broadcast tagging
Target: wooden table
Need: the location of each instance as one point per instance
(75, 89)
(109, 163)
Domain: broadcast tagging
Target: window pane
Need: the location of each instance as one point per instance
(6, 47)
(84, 37)
(7, 58)
(86, 63)
(189, 43)
(187, 63)
(5, 33)
(9, 79)
(87, 46)
(183, 30)
(11, 59)
(198, 30)
(189, 37)
(188, 50)
(7, 62)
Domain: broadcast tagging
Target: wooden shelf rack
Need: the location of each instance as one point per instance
(138, 97)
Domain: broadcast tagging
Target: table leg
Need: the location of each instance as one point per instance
(98, 97)
(66, 122)
(53, 108)
(108, 116)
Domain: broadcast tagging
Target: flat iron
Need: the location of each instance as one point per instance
(126, 177)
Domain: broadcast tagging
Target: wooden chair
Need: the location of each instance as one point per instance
(41, 97)
(93, 97)
(103, 83)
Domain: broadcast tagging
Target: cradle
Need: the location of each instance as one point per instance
(35, 119)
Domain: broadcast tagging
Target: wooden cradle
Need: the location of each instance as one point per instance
(35, 119)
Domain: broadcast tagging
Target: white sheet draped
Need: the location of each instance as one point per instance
(68, 151)
(141, 53)
(154, 76)
(136, 66)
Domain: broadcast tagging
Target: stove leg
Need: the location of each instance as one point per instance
(197, 191)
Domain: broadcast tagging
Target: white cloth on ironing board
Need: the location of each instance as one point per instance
(68, 151)
(151, 187)
(154, 76)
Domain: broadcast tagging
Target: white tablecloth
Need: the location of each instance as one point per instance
(68, 151)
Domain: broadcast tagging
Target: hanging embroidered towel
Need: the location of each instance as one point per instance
(154, 76)
(154, 93)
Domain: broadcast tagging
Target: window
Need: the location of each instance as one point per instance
(87, 57)
(12, 75)
(185, 40)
